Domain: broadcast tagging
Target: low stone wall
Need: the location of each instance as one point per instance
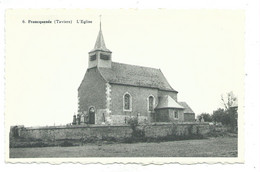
(102, 132)
(180, 129)
(76, 132)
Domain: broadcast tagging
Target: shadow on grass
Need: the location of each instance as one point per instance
(30, 143)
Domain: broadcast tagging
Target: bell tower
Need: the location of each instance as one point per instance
(100, 56)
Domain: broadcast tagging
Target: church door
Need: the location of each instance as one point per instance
(92, 115)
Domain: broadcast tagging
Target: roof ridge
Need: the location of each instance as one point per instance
(136, 65)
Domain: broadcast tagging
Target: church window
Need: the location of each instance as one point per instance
(150, 103)
(176, 115)
(104, 57)
(93, 57)
(127, 102)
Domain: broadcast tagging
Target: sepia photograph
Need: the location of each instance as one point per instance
(135, 85)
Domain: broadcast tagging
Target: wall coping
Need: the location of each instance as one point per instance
(109, 126)
(73, 127)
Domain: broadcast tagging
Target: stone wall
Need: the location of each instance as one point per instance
(116, 132)
(166, 115)
(76, 132)
(180, 115)
(184, 129)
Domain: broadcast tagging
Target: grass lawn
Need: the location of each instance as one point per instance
(211, 147)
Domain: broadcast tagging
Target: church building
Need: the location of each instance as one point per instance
(111, 93)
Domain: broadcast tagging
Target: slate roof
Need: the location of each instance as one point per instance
(126, 74)
(166, 102)
(187, 107)
(100, 43)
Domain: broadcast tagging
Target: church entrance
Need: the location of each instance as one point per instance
(91, 115)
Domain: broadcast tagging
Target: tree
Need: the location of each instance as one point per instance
(207, 117)
(232, 116)
(218, 115)
(227, 116)
(229, 100)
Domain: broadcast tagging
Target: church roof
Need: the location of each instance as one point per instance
(166, 102)
(187, 107)
(100, 43)
(126, 74)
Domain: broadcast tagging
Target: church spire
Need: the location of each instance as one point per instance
(100, 56)
(100, 42)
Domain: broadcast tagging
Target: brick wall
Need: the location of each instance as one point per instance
(92, 92)
(189, 117)
(107, 99)
(139, 101)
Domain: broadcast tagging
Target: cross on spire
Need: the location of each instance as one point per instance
(100, 21)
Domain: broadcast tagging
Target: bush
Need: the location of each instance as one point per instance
(137, 134)
(133, 122)
(227, 117)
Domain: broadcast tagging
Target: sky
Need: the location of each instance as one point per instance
(200, 52)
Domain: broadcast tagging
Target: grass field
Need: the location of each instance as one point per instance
(211, 147)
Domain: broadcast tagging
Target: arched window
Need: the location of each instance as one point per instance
(127, 102)
(150, 103)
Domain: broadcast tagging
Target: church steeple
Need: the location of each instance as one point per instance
(100, 56)
(100, 42)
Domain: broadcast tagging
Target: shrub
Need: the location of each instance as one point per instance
(133, 122)
(137, 134)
